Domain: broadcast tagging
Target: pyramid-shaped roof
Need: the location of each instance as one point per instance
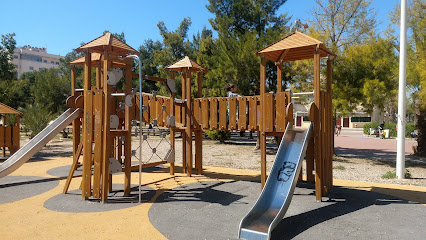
(96, 57)
(108, 41)
(186, 63)
(4, 109)
(296, 46)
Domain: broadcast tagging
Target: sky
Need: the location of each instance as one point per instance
(61, 25)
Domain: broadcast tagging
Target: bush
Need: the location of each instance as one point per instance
(392, 174)
(370, 125)
(409, 128)
(392, 129)
(218, 135)
(36, 118)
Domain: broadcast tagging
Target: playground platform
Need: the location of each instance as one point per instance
(211, 206)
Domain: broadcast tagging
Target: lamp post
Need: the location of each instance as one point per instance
(400, 155)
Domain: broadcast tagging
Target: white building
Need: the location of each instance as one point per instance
(28, 59)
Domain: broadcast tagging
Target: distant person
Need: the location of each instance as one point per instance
(338, 129)
(381, 128)
(231, 90)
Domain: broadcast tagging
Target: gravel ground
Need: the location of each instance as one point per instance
(239, 153)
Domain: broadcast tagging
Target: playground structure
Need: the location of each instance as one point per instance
(104, 117)
(9, 135)
(267, 113)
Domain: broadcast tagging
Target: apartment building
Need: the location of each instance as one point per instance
(28, 59)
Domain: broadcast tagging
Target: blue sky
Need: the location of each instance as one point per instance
(61, 25)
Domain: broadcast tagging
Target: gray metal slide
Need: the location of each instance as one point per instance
(38, 142)
(276, 196)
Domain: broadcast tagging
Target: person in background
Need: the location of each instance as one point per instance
(231, 90)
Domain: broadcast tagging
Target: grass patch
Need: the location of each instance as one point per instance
(392, 174)
(339, 167)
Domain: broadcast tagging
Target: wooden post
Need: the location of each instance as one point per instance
(330, 123)
(317, 128)
(98, 75)
(76, 122)
(262, 122)
(128, 129)
(88, 128)
(106, 150)
(188, 130)
(183, 117)
(279, 77)
(4, 138)
(199, 132)
(98, 110)
(172, 129)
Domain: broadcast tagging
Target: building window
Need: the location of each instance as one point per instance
(52, 62)
(31, 68)
(57, 63)
(360, 119)
(44, 61)
(15, 56)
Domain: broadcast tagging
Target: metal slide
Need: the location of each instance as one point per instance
(276, 196)
(38, 142)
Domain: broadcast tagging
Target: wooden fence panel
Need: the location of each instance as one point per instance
(15, 135)
(280, 111)
(269, 108)
(2, 136)
(197, 113)
(252, 113)
(213, 113)
(223, 112)
(8, 136)
(242, 113)
(233, 113)
(178, 113)
(159, 111)
(145, 114)
(205, 113)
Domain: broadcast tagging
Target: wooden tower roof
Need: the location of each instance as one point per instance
(96, 57)
(108, 41)
(186, 63)
(4, 109)
(296, 46)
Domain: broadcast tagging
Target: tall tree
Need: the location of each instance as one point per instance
(7, 46)
(342, 23)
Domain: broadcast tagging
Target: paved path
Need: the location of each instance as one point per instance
(352, 143)
(199, 207)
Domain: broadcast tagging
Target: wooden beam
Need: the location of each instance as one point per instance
(188, 131)
(317, 128)
(279, 78)
(262, 123)
(128, 129)
(87, 128)
(172, 129)
(106, 150)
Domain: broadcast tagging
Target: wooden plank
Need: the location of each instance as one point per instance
(159, 111)
(262, 122)
(317, 129)
(233, 113)
(15, 135)
(269, 112)
(197, 113)
(145, 102)
(205, 113)
(2, 136)
(172, 129)
(167, 111)
(178, 115)
(279, 77)
(98, 110)
(73, 167)
(242, 113)
(147, 165)
(223, 112)
(87, 129)
(8, 136)
(253, 113)
(188, 131)
(213, 113)
(280, 112)
(106, 141)
(152, 109)
(128, 137)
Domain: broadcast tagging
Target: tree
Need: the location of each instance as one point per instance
(7, 46)
(342, 23)
(365, 74)
(243, 28)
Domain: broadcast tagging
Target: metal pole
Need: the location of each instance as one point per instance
(400, 156)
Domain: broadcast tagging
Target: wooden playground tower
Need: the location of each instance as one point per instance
(9, 135)
(267, 113)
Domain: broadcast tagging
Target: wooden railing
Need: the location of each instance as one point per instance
(9, 137)
(219, 113)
